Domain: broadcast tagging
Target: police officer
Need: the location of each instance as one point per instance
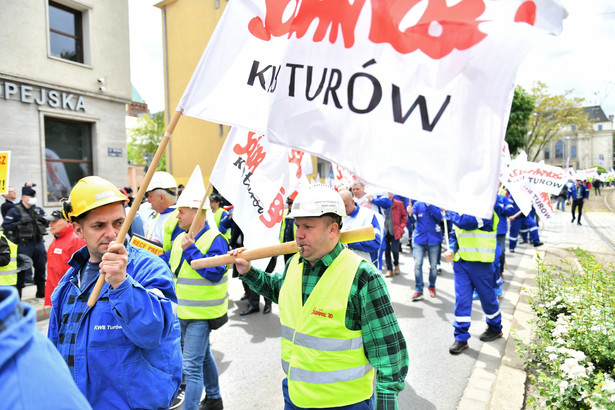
(343, 326)
(25, 225)
(473, 243)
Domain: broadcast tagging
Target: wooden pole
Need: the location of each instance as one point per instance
(198, 213)
(138, 198)
(356, 235)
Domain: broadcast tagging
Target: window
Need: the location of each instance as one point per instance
(547, 153)
(68, 155)
(65, 33)
(599, 127)
(573, 127)
(573, 151)
(559, 149)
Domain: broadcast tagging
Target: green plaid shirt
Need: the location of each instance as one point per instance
(369, 310)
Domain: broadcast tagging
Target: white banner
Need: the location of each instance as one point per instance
(583, 174)
(257, 177)
(542, 205)
(538, 177)
(411, 96)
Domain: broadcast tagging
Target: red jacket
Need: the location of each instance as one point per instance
(400, 218)
(59, 253)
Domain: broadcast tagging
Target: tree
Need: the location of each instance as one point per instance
(552, 113)
(518, 122)
(144, 139)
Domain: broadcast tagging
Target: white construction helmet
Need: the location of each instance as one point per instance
(194, 192)
(317, 200)
(161, 180)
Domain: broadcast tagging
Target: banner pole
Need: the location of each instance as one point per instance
(138, 198)
(198, 213)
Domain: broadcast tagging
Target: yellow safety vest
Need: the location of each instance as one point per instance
(8, 273)
(218, 218)
(169, 226)
(283, 227)
(197, 297)
(477, 245)
(324, 362)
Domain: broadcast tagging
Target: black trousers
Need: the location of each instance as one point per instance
(577, 203)
(36, 251)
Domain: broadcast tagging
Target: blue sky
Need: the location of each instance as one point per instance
(582, 58)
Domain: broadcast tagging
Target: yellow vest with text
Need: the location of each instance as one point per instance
(218, 218)
(477, 245)
(324, 362)
(198, 298)
(8, 273)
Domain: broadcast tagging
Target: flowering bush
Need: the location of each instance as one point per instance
(572, 358)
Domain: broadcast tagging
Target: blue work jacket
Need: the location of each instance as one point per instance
(125, 351)
(427, 230)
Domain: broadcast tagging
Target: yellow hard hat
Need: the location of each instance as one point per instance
(90, 193)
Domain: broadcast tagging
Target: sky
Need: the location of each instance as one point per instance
(581, 59)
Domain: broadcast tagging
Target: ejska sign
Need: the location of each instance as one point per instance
(53, 98)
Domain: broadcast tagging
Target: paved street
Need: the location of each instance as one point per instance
(247, 348)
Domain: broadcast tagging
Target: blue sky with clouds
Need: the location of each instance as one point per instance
(582, 58)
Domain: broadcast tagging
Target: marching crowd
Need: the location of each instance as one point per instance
(145, 342)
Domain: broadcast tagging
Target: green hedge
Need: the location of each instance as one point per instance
(572, 357)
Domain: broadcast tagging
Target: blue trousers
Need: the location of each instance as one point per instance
(523, 226)
(419, 251)
(288, 405)
(200, 368)
(470, 276)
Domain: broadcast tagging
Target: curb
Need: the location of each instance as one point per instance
(498, 377)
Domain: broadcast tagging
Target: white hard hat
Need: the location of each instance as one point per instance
(162, 180)
(317, 200)
(193, 193)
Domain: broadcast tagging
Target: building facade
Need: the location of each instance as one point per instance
(64, 87)
(582, 150)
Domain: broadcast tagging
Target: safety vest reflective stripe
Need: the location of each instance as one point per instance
(321, 343)
(201, 303)
(201, 282)
(478, 250)
(474, 234)
(334, 376)
(463, 319)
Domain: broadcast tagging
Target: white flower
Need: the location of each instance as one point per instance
(572, 368)
(553, 357)
(577, 354)
(609, 385)
(550, 348)
(563, 385)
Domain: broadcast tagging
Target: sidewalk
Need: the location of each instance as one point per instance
(561, 237)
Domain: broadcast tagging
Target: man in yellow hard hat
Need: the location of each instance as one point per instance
(338, 324)
(125, 351)
(202, 295)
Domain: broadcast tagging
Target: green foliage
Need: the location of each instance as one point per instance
(551, 114)
(573, 356)
(145, 139)
(601, 170)
(518, 122)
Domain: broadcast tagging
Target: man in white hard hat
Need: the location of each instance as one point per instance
(125, 351)
(343, 325)
(202, 295)
(162, 195)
